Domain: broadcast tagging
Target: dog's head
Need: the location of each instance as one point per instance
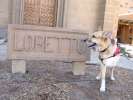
(101, 38)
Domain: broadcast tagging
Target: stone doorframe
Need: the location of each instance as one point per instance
(17, 8)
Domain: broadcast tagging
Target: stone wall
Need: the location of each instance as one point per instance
(84, 14)
(114, 9)
(5, 17)
(79, 14)
(4, 12)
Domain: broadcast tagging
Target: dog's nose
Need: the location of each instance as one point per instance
(85, 40)
(93, 36)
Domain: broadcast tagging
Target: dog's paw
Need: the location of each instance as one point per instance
(98, 78)
(102, 89)
(112, 78)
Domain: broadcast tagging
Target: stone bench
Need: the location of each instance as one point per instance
(27, 42)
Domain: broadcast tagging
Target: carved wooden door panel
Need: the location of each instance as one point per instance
(40, 12)
(125, 33)
(48, 12)
(31, 11)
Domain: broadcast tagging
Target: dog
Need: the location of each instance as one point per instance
(109, 54)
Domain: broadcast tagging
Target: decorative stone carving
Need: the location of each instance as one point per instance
(27, 42)
(32, 42)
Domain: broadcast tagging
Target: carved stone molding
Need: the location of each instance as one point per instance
(16, 11)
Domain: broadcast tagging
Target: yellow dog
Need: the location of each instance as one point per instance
(109, 54)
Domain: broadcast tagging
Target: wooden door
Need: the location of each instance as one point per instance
(40, 12)
(31, 11)
(48, 12)
(125, 33)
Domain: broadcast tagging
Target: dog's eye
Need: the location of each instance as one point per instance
(94, 36)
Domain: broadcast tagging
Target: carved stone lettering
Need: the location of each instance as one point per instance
(73, 46)
(29, 43)
(65, 46)
(43, 43)
(39, 43)
(18, 45)
(52, 45)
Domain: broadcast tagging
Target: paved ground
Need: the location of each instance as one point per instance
(46, 80)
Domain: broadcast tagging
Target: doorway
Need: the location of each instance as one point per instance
(125, 29)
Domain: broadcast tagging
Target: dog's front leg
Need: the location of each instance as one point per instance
(112, 74)
(103, 82)
(98, 77)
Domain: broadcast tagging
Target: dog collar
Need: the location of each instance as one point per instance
(92, 45)
(104, 49)
(117, 51)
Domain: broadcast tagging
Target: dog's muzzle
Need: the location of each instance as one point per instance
(89, 43)
(92, 45)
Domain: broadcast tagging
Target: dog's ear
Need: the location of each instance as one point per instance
(107, 34)
(114, 41)
(105, 39)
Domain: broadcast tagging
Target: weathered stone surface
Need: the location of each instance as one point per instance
(18, 66)
(79, 68)
(87, 14)
(4, 13)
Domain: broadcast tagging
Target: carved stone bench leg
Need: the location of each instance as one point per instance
(18, 66)
(78, 68)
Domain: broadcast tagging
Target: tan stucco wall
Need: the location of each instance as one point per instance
(4, 12)
(84, 14)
